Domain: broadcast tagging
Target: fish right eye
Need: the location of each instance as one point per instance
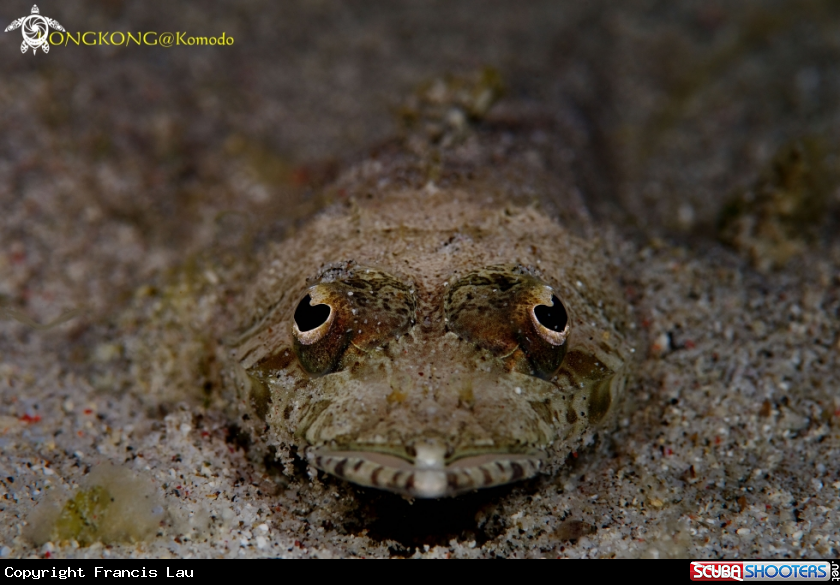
(364, 308)
(309, 316)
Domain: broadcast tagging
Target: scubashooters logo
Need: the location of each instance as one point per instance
(35, 29)
(763, 571)
(37, 35)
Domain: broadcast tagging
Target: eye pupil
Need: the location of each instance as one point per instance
(553, 317)
(309, 317)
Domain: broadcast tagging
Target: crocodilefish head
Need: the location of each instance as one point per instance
(465, 352)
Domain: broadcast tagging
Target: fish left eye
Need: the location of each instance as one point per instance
(553, 318)
(511, 313)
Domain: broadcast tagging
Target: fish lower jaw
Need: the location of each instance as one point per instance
(425, 477)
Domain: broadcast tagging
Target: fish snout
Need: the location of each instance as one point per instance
(428, 470)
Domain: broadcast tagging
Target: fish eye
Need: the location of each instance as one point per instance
(513, 314)
(352, 311)
(551, 321)
(309, 316)
(318, 343)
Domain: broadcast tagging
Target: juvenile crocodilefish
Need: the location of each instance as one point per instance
(435, 331)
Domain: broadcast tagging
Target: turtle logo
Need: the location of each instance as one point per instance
(35, 30)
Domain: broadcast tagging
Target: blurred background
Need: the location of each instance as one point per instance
(116, 161)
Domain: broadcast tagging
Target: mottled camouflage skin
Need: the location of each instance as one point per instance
(431, 382)
(460, 327)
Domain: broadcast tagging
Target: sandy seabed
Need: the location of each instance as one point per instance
(116, 164)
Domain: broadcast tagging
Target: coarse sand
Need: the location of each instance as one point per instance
(120, 165)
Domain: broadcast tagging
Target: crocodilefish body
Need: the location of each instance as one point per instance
(450, 324)
(432, 341)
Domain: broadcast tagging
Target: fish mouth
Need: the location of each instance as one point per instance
(428, 476)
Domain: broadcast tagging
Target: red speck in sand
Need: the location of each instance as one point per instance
(300, 176)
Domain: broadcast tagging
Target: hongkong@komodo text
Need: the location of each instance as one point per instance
(148, 38)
